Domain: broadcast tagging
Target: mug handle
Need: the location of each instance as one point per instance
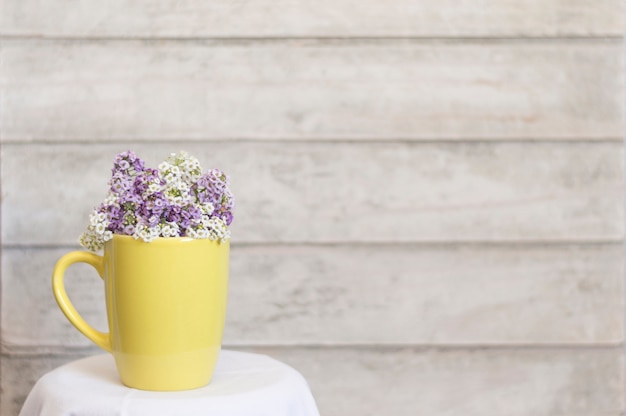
(101, 339)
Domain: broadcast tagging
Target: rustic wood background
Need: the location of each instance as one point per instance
(430, 193)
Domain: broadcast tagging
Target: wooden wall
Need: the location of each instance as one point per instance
(430, 193)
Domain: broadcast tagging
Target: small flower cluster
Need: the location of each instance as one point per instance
(175, 200)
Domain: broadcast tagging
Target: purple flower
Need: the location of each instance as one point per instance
(138, 164)
(227, 217)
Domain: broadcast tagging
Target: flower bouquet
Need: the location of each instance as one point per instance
(175, 200)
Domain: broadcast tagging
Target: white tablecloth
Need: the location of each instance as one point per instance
(243, 385)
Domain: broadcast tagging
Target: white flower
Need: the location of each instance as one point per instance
(100, 228)
(111, 199)
(153, 188)
(207, 208)
(169, 229)
(91, 240)
(147, 234)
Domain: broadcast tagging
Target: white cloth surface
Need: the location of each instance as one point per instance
(243, 384)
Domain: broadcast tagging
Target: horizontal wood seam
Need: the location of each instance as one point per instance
(314, 141)
(369, 244)
(617, 38)
(50, 351)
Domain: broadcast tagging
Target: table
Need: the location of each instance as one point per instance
(244, 384)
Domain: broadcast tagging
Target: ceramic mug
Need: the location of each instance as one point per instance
(166, 306)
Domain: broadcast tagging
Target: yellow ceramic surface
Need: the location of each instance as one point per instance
(166, 305)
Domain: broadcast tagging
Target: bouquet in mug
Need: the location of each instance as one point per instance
(175, 200)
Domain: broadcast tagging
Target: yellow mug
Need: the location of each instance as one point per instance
(166, 306)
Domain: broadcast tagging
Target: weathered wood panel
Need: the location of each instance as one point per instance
(134, 91)
(316, 89)
(419, 295)
(363, 295)
(346, 192)
(325, 18)
(30, 315)
(417, 382)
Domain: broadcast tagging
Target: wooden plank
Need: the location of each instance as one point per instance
(315, 89)
(346, 192)
(364, 295)
(464, 382)
(41, 322)
(325, 18)
(378, 381)
(420, 295)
